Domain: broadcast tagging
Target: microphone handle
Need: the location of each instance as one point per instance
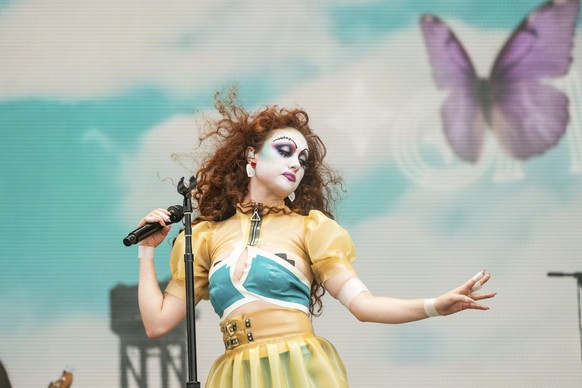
(141, 234)
(176, 214)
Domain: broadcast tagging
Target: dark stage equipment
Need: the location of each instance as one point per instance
(136, 349)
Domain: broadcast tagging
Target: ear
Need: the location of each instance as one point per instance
(250, 154)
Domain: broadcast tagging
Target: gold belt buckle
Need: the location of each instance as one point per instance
(230, 328)
(231, 341)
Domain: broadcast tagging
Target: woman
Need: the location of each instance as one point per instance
(266, 248)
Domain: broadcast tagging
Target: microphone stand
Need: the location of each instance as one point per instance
(578, 277)
(186, 191)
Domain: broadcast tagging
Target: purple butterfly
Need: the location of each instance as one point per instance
(528, 116)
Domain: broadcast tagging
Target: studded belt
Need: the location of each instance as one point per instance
(265, 324)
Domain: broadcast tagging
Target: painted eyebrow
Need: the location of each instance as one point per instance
(285, 138)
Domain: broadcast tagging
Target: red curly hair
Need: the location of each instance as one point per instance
(222, 181)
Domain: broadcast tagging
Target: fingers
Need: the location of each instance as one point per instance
(161, 216)
(470, 302)
(452, 303)
(483, 296)
(477, 306)
(464, 297)
(460, 298)
(479, 276)
(477, 281)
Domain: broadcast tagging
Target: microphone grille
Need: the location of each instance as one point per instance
(176, 213)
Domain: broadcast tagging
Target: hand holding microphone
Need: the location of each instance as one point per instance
(157, 220)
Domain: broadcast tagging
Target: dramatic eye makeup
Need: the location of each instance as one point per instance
(303, 156)
(286, 147)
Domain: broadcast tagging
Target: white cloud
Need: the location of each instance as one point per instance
(105, 142)
(165, 154)
(70, 49)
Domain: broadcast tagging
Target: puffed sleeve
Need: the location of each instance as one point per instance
(329, 246)
(201, 234)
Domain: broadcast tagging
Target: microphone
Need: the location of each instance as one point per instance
(176, 214)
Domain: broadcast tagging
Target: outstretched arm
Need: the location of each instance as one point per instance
(369, 308)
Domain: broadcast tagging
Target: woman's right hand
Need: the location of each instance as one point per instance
(161, 216)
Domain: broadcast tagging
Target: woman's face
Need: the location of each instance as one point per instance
(280, 165)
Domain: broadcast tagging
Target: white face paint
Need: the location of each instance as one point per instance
(280, 166)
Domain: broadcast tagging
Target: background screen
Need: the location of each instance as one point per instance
(100, 103)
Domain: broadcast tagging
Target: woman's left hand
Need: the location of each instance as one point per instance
(465, 296)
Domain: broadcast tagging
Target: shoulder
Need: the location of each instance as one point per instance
(317, 219)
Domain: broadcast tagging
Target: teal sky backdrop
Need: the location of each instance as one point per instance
(95, 96)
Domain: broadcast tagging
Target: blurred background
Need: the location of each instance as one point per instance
(99, 109)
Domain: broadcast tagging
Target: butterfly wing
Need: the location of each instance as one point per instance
(453, 70)
(530, 116)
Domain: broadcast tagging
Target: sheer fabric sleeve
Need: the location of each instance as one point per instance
(201, 234)
(329, 246)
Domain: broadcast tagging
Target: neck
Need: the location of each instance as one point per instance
(265, 201)
(259, 196)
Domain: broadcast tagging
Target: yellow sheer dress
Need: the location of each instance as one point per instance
(274, 347)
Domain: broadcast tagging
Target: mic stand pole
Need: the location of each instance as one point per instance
(578, 277)
(186, 191)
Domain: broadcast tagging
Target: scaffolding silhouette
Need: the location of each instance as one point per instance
(136, 350)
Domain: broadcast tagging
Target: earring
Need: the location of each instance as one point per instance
(291, 196)
(252, 164)
(251, 169)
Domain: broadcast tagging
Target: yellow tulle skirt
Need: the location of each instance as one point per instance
(275, 348)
